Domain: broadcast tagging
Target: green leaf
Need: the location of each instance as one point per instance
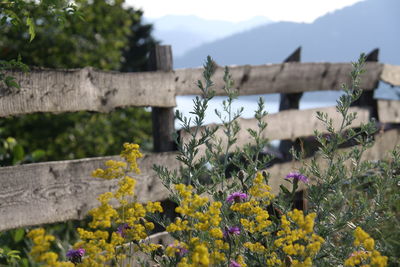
(285, 190)
(11, 141)
(3, 20)
(31, 25)
(10, 82)
(11, 14)
(18, 235)
(38, 154)
(18, 153)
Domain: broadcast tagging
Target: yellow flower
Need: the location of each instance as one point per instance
(361, 256)
(131, 153)
(255, 247)
(216, 233)
(179, 225)
(41, 245)
(200, 256)
(115, 170)
(297, 238)
(154, 207)
(261, 190)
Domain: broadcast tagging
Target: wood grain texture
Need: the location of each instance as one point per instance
(50, 192)
(288, 124)
(89, 89)
(389, 111)
(85, 89)
(162, 118)
(289, 101)
(391, 74)
(280, 78)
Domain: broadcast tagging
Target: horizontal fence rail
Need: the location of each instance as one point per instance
(288, 124)
(389, 111)
(93, 90)
(64, 190)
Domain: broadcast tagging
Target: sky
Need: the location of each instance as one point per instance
(235, 11)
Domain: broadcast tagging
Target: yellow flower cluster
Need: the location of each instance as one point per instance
(126, 188)
(98, 250)
(178, 225)
(273, 260)
(148, 248)
(271, 256)
(255, 247)
(299, 241)
(40, 250)
(199, 255)
(258, 218)
(261, 190)
(176, 248)
(199, 215)
(103, 215)
(240, 260)
(131, 153)
(192, 206)
(370, 254)
(99, 245)
(117, 169)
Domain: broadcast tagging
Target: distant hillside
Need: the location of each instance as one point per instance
(187, 32)
(338, 36)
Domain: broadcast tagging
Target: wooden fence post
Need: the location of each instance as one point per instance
(367, 97)
(289, 101)
(292, 101)
(162, 118)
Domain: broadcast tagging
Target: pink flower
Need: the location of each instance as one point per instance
(181, 250)
(233, 230)
(234, 264)
(121, 230)
(297, 176)
(236, 197)
(75, 255)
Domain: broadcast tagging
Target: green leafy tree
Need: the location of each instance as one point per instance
(54, 34)
(95, 38)
(105, 35)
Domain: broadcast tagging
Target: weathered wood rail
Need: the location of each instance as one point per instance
(89, 89)
(50, 192)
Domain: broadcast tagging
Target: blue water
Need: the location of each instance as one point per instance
(249, 103)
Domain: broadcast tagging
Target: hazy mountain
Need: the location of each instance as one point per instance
(338, 36)
(187, 32)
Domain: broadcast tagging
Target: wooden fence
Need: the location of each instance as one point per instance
(56, 191)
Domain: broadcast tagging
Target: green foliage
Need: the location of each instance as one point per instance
(97, 40)
(99, 33)
(104, 35)
(7, 82)
(18, 12)
(77, 135)
(10, 257)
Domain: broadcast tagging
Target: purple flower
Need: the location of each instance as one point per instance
(75, 255)
(122, 229)
(236, 197)
(181, 250)
(297, 176)
(234, 264)
(233, 230)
